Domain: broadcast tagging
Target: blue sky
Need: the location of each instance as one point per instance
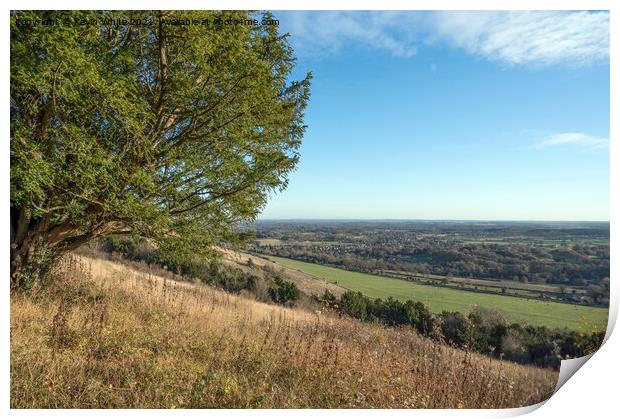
(451, 115)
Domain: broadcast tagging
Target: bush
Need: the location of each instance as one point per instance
(355, 304)
(456, 329)
(230, 279)
(284, 292)
(419, 316)
(490, 329)
(391, 312)
(483, 330)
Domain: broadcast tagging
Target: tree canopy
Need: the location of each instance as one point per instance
(137, 124)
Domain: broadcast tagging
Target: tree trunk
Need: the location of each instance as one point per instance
(35, 244)
(32, 249)
(30, 260)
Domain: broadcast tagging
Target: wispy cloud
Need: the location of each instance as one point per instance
(575, 139)
(519, 38)
(329, 32)
(536, 38)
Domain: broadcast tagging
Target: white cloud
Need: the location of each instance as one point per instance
(514, 38)
(329, 32)
(574, 138)
(536, 38)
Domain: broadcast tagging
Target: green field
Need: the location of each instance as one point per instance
(515, 309)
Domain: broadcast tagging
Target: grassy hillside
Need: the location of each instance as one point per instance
(438, 299)
(104, 335)
(309, 284)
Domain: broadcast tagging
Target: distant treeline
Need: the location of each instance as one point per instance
(483, 330)
(563, 255)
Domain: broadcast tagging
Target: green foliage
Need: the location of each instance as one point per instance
(419, 315)
(456, 328)
(40, 261)
(230, 279)
(490, 327)
(210, 272)
(174, 132)
(284, 292)
(355, 304)
(124, 245)
(487, 332)
(483, 330)
(390, 311)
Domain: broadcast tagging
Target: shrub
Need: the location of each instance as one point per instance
(392, 312)
(355, 304)
(284, 292)
(456, 328)
(419, 316)
(490, 329)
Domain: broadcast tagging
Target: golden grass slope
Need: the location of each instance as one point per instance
(104, 335)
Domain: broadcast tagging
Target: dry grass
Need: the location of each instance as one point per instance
(308, 283)
(123, 338)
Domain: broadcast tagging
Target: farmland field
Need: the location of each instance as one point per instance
(535, 312)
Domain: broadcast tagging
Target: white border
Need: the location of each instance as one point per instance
(591, 394)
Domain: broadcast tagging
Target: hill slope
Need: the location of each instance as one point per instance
(308, 283)
(105, 335)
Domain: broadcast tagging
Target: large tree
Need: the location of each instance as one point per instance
(130, 122)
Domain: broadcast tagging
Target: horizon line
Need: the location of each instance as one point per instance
(433, 220)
